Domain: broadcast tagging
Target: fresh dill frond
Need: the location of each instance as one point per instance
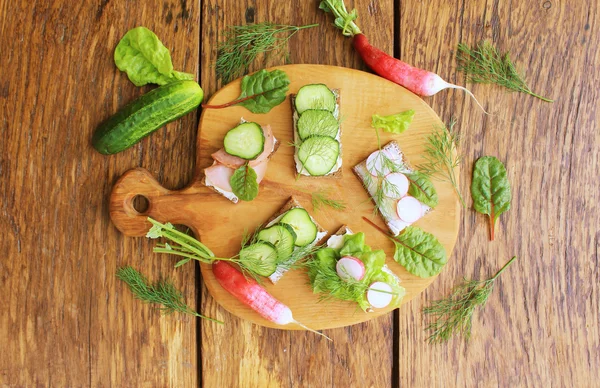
(442, 156)
(454, 315)
(485, 65)
(243, 44)
(162, 293)
(321, 198)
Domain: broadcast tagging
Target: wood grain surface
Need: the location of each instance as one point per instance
(65, 320)
(221, 224)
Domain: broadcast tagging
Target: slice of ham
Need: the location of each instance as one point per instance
(261, 170)
(219, 175)
(234, 162)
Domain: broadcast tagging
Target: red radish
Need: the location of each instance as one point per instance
(409, 209)
(350, 267)
(396, 185)
(249, 292)
(418, 81)
(375, 164)
(379, 295)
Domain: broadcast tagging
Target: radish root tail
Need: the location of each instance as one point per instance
(452, 86)
(311, 330)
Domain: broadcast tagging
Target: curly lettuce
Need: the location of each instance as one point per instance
(325, 280)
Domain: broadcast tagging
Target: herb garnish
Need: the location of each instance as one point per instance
(243, 183)
(485, 65)
(442, 156)
(243, 44)
(320, 198)
(145, 59)
(454, 315)
(261, 91)
(162, 293)
(490, 189)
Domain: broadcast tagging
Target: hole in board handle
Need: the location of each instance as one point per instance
(140, 204)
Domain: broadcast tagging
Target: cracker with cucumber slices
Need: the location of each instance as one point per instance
(289, 233)
(317, 131)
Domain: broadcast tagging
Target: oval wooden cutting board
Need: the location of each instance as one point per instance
(220, 224)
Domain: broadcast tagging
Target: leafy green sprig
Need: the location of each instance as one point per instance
(321, 199)
(243, 44)
(162, 293)
(485, 65)
(454, 315)
(442, 156)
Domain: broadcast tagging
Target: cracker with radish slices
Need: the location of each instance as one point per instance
(390, 181)
(307, 234)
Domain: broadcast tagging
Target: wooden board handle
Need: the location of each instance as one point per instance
(163, 205)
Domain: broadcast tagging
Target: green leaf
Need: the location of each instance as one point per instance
(264, 90)
(396, 123)
(422, 189)
(490, 189)
(145, 59)
(243, 182)
(419, 252)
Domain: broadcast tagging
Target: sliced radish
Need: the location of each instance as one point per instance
(396, 185)
(393, 155)
(409, 209)
(379, 295)
(350, 267)
(375, 164)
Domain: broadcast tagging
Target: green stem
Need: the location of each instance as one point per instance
(205, 317)
(307, 26)
(183, 254)
(503, 268)
(538, 96)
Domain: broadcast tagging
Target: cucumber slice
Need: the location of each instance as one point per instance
(315, 96)
(283, 237)
(303, 225)
(319, 154)
(245, 141)
(317, 122)
(264, 252)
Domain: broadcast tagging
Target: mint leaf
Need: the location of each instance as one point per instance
(490, 189)
(145, 59)
(243, 182)
(419, 252)
(422, 189)
(396, 123)
(263, 90)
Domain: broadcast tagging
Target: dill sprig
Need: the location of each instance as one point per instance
(454, 315)
(320, 199)
(485, 65)
(243, 44)
(162, 293)
(442, 156)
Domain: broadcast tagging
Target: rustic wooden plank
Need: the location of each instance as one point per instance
(239, 352)
(66, 321)
(540, 326)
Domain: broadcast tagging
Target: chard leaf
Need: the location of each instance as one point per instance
(145, 59)
(490, 189)
(396, 123)
(422, 189)
(263, 90)
(243, 182)
(419, 252)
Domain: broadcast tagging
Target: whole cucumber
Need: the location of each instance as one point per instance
(145, 115)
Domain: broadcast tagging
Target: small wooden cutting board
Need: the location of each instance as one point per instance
(220, 224)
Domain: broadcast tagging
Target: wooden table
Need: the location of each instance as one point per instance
(66, 321)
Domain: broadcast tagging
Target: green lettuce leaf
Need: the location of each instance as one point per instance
(396, 123)
(419, 252)
(145, 59)
(325, 280)
(490, 189)
(244, 184)
(263, 90)
(422, 189)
